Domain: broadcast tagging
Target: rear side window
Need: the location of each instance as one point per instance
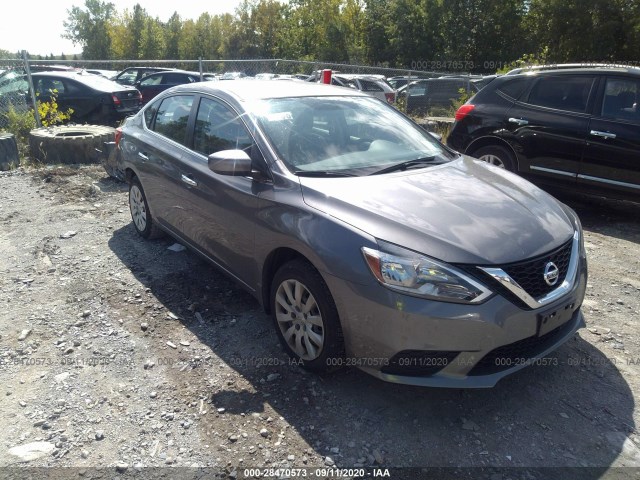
(514, 87)
(369, 86)
(174, 78)
(172, 117)
(152, 80)
(563, 92)
(621, 97)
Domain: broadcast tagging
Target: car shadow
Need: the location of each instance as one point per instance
(575, 411)
(614, 218)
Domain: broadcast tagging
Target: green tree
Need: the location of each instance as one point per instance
(152, 43)
(88, 28)
(172, 33)
(613, 28)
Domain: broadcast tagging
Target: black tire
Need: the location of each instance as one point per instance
(321, 320)
(140, 214)
(496, 155)
(69, 143)
(8, 152)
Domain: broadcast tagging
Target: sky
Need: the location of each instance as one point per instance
(37, 25)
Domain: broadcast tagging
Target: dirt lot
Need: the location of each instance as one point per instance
(121, 353)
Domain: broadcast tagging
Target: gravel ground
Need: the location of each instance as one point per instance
(120, 353)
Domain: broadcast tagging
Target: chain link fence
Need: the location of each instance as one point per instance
(435, 93)
(14, 90)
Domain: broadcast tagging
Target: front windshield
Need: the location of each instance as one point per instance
(354, 135)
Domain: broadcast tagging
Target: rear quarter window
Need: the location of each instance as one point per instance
(514, 88)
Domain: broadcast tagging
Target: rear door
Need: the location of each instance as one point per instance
(160, 153)
(548, 128)
(612, 156)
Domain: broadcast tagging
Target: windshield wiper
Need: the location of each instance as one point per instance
(322, 173)
(418, 162)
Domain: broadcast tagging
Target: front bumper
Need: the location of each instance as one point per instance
(414, 341)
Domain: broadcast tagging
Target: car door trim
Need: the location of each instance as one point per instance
(556, 172)
(609, 181)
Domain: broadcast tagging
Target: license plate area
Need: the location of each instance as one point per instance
(552, 319)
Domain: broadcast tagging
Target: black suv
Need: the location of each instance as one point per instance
(574, 127)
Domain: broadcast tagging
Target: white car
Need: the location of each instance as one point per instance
(373, 85)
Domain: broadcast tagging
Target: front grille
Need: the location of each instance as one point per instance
(518, 353)
(419, 363)
(529, 274)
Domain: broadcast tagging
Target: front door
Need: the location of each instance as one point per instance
(612, 157)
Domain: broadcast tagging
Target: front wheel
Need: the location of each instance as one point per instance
(306, 318)
(496, 155)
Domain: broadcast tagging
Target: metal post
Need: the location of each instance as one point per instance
(36, 113)
(200, 67)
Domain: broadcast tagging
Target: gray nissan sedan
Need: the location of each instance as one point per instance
(369, 242)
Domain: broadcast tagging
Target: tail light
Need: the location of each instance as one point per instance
(116, 100)
(118, 136)
(390, 96)
(463, 111)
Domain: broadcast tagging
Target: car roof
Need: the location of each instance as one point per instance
(94, 81)
(247, 90)
(186, 72)
(573, 68)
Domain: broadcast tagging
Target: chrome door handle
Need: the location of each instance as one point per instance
(597, 133)
(519, 121)
(189, 181)
(143, 156)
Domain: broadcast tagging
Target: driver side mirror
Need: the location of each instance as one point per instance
(230, 162)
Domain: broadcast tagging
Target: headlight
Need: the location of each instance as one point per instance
(415, 274)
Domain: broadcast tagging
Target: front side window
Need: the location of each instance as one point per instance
(218, 128)
(621, 97)
(563, 92)
(172, 117)
(128, 78)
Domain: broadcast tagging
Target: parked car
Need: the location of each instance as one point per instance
(423, 95)
(131, 75)
(232, 75)
(104, 73)
(576, 128)
(369, 242)
(373, 85)
(93, 99)
(401, 81)
(154, 83)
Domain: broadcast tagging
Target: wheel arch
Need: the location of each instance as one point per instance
(272, 263)
(491, 140)
(129, 174)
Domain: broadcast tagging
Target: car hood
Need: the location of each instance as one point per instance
(463, 212)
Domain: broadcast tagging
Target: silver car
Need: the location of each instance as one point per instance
(370, 243)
